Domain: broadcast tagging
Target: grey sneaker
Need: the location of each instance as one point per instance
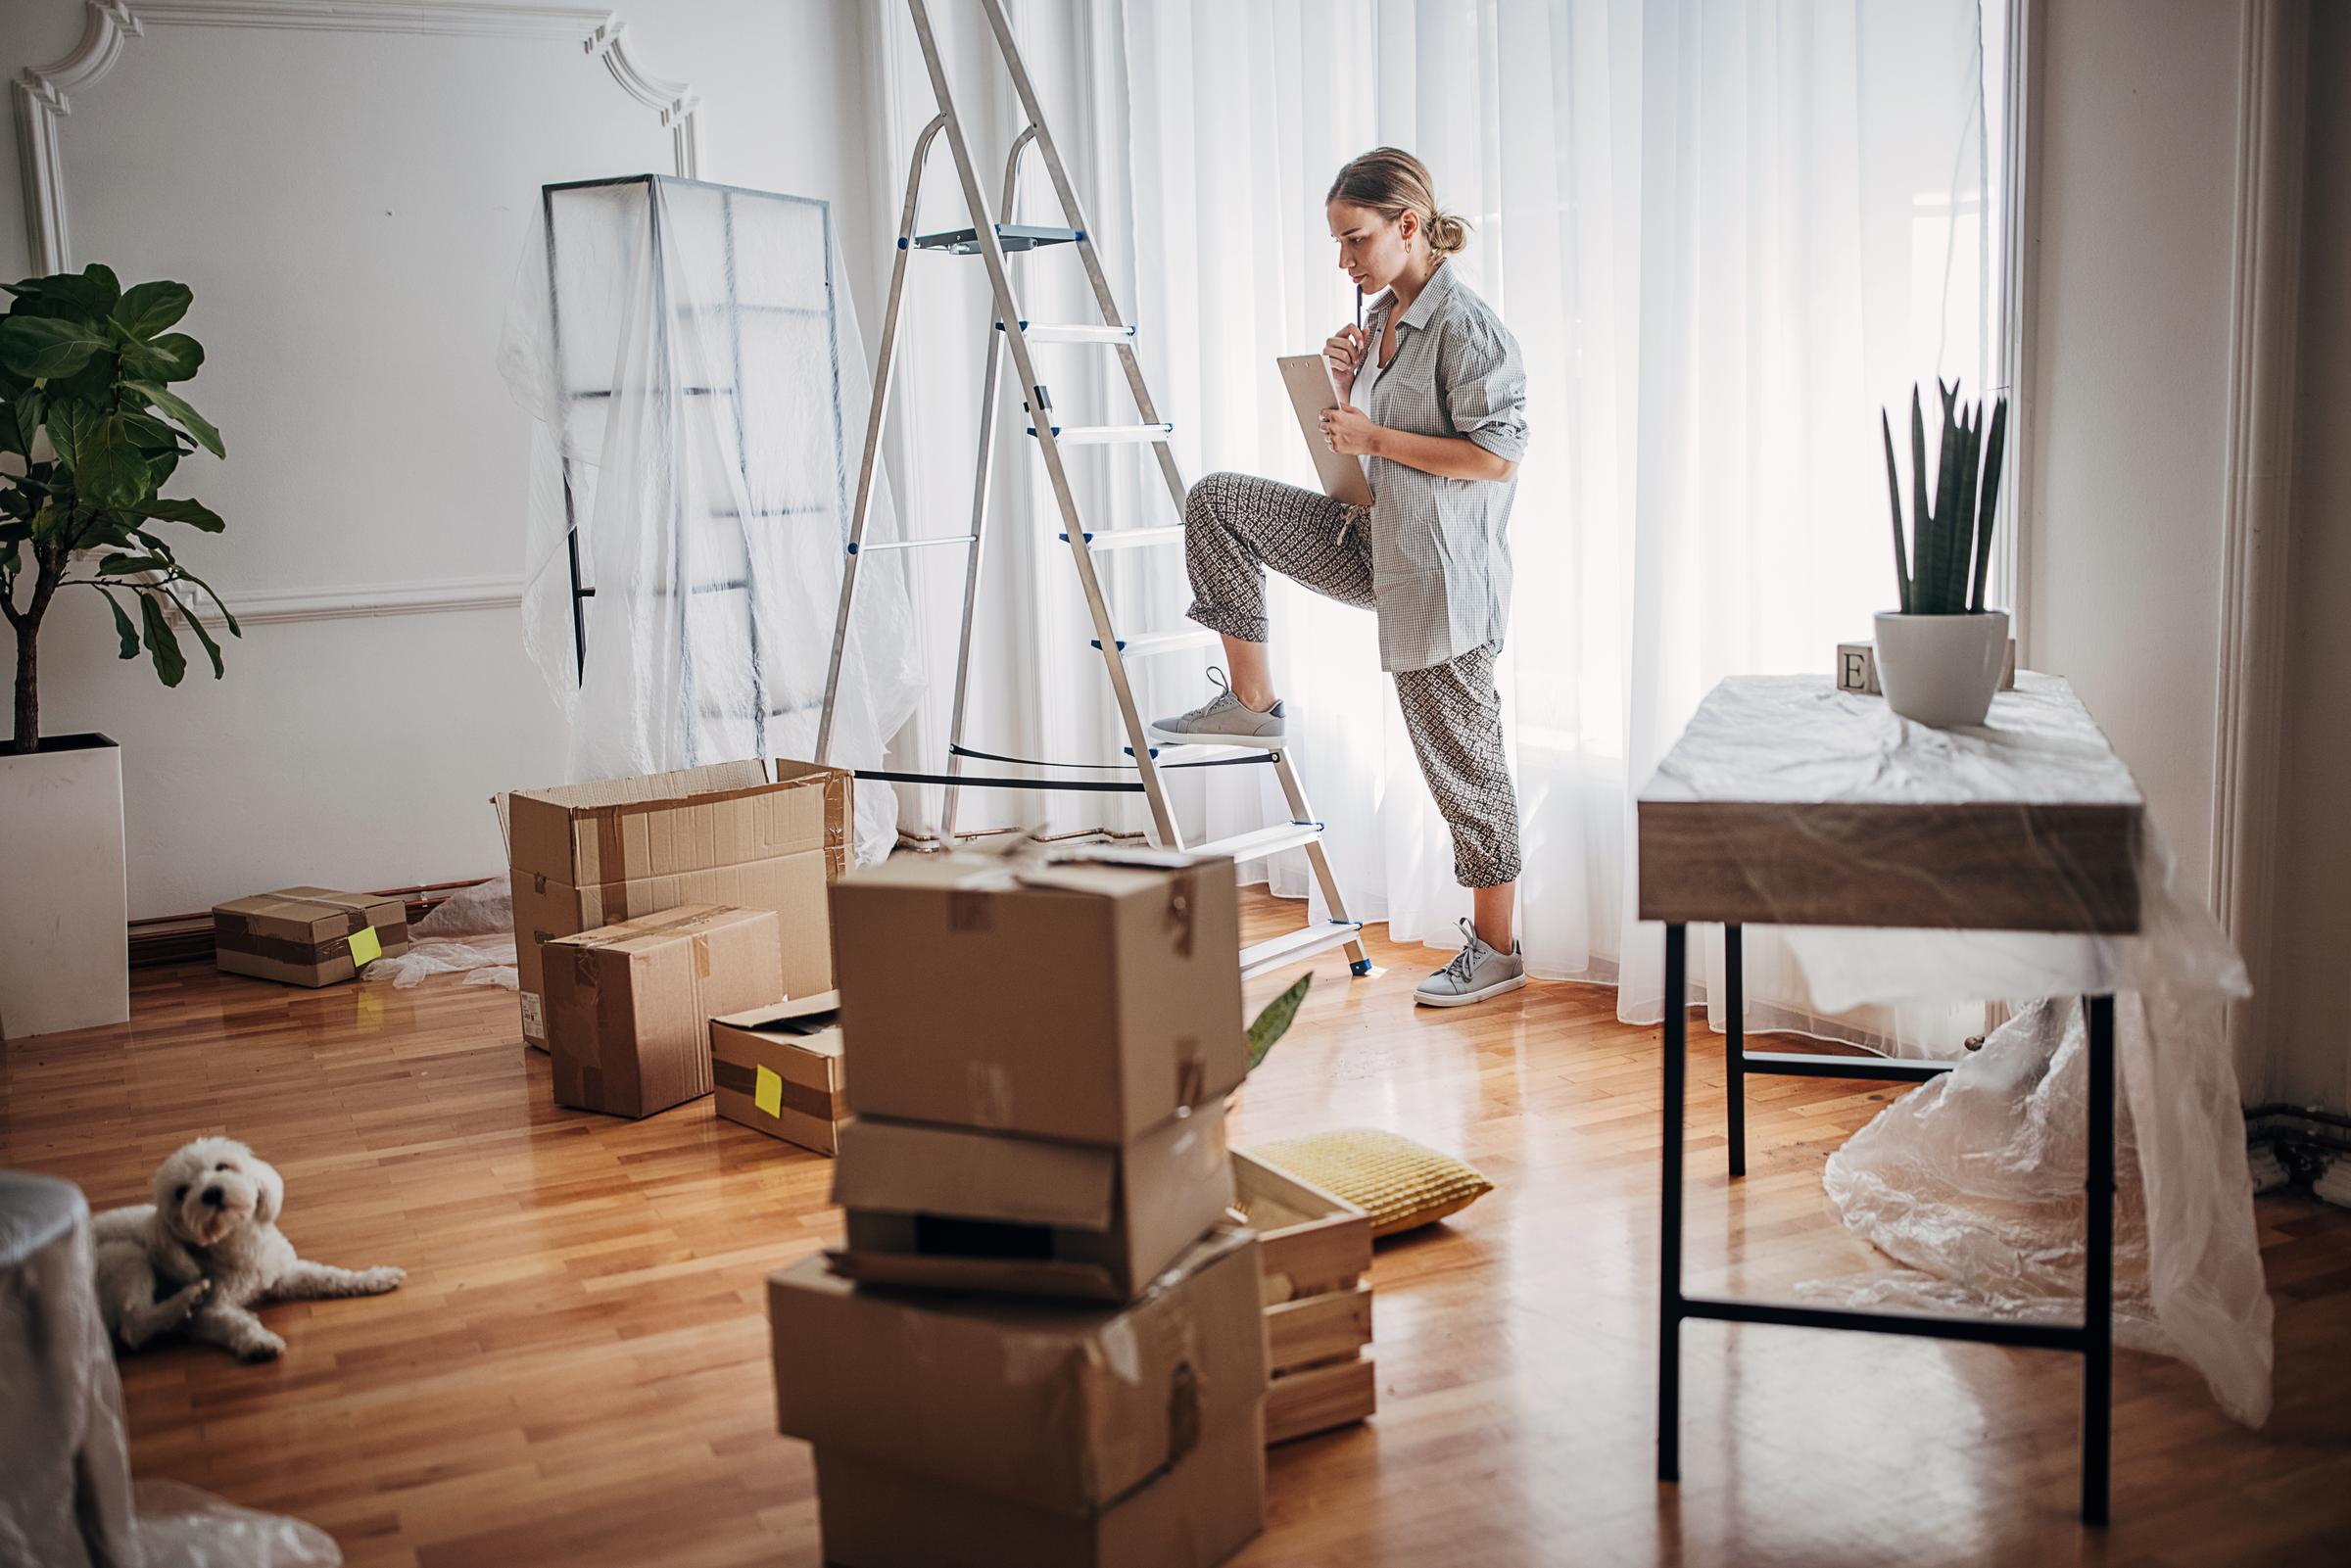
(1476, 973)
(1222, 719)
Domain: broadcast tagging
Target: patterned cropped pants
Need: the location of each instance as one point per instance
(1237, 525)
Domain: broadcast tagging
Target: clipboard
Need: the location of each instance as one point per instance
(1311, 391)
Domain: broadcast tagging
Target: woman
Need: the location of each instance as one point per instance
(1436, 408)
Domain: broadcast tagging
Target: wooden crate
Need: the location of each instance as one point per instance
(1314, 1251)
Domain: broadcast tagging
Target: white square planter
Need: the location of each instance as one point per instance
(64, 920)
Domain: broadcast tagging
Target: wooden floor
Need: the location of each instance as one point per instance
(576, 1371)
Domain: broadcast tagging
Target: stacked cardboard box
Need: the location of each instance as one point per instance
(588, 855)
(1042, 1344)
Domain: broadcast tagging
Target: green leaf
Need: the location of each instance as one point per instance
(47, 348)
(234, 630)
(1988, 500)
(147, 309)
(1274, 1021)
(109, 468)
(150, 434)
(123, 565)
(91, 292)
(210, 647)
(1893, 495)
(174, 357)
(122, 627)
(70, 423)
(174, 407)
(195, 514)
(162, 645)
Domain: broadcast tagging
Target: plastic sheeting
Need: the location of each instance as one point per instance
(470, 932)
(1973, 1180)
(65, 1493)
(692, 358)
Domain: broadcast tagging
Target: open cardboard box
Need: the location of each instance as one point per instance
(951, 1209)
(778, 1070)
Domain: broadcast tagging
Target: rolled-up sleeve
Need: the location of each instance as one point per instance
(1483, 384)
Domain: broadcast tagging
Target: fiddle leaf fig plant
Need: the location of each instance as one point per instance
(90, 432)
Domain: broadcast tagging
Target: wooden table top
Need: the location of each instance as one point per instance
(1786, 803)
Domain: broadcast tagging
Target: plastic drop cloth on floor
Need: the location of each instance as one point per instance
(1973, 1180)
(692, 360)
(65, 1492)
(470, 932)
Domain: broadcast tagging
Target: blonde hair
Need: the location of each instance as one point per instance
(1388, 180)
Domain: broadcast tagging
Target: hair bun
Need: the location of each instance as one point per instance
(1448, 235)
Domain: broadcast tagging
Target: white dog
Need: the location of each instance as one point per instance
(208, 1250)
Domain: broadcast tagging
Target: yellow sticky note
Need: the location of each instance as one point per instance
(366, 947)
(767, 1092)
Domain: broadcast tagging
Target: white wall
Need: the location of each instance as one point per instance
(2135, 156)
(348, 208)
(2309, 1056)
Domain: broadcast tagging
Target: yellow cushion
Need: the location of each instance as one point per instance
(1400, 1183)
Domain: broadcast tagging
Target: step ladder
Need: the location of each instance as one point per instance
(1145, 772)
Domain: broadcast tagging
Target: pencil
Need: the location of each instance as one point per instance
(1359, 305)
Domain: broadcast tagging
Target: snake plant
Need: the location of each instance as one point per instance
(1955, 532)
(1274, 1021)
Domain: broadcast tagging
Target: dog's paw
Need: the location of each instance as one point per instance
(263, 1347)
(182, 1303)
(376, 1281)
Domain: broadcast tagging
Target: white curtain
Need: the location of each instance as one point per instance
(1725, 232)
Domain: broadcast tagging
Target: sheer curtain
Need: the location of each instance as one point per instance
(1725, 232)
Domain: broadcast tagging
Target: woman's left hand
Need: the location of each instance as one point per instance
(1349, 430)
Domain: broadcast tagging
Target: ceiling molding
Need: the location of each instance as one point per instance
(43, 93)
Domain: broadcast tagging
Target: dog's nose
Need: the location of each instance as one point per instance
(212, 1196)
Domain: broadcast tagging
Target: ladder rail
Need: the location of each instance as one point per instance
(1317, 858)
(876, 412)
(990, 384)
(1166, 831)
(1075, 210)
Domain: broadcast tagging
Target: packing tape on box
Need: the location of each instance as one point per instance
(989, 1089)
(1191, 1073)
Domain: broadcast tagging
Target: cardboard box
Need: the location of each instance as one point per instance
(1313, 1249)
(629, 1006)
(1073, 998)
(1061, 1406)
(595, 854)
(951, 1209)
(307, 935)
(777, 1069)
(1196, 1515)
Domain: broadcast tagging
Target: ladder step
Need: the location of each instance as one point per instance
(875, 545)
(1263, 958)
(1144, 647)
(1100, 434)
(1045, 332)
(1262, 841)
(1131, 538)
(1010, 236)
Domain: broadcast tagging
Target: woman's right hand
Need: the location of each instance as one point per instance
(1343, 353)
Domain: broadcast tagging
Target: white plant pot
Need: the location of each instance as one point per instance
(1941, 670)
(64, 920)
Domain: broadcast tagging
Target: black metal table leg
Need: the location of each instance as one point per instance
(1734, 1046)
(1670, 1219)
(2097, 1294)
